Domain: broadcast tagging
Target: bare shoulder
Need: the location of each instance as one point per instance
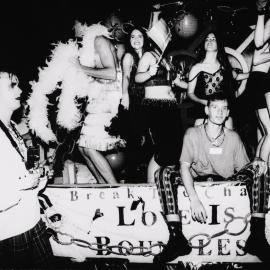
(101, 41)
(127, 59)
(195, 70)
(148, 55)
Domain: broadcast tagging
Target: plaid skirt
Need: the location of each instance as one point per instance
(31, 249)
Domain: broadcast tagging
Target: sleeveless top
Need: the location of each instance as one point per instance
(162, 77)
(210, 83)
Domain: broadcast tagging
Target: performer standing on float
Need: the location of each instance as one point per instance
(80, 68)
(101, 109)
(164, 123)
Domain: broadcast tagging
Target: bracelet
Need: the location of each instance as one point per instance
(263, 11)
(258, 159)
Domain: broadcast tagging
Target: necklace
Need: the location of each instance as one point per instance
(218, 140)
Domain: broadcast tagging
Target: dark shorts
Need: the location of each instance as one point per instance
(164, 121)
(257, 85)
(31, 249)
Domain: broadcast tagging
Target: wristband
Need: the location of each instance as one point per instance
(262, 11)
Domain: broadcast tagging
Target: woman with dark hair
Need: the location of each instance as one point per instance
(211, 74)
(133, 93)
(163, 118)
(137, 44)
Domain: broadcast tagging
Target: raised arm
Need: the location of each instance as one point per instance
(259, 32)
(107, 55)
(126, 69)
(261, 55)
(147, 68)
(262, 30)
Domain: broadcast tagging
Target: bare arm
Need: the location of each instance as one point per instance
(180, 83)
(154, 16)
(262, 31)
(126, 69)
(146, 68)
(259, 31)
(261, 55)
(192, 84)
(107, 58)
(267, 31)
(198, 212)
(240, 76)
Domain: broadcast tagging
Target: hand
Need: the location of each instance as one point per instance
(125, 101)
(183, 95)
(177, 80)
(153, 69)
(198, 212)
(261, 6)
(260, 165)
(156, 7)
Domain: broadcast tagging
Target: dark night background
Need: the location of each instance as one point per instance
(28, 28)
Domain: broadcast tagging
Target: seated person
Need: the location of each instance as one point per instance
(212, 149)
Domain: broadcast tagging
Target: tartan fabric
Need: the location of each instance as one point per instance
(29, 250)
(167, 189)
(258, 187)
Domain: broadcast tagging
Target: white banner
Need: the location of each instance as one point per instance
(125, 221)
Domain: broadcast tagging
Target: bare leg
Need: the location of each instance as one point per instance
(152, 168)
(260, 136)
(264, 144)
(98, 165)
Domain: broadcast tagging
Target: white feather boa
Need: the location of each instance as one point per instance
(60, 68)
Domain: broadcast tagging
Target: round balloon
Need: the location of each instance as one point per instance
(116, 160)
(186, 25)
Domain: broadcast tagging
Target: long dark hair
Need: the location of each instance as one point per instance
(146, 43)
(229, 84)
(222, 57)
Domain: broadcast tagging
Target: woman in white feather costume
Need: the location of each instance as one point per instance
(84, 68)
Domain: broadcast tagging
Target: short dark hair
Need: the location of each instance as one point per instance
(217, 96)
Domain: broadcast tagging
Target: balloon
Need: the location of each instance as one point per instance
(186, 25)
(116, 160)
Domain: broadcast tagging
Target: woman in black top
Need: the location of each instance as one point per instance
(211, 74)
(133, 94)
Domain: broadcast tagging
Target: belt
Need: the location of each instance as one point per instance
(157, 83)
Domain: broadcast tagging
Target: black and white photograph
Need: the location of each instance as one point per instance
(135, 135)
